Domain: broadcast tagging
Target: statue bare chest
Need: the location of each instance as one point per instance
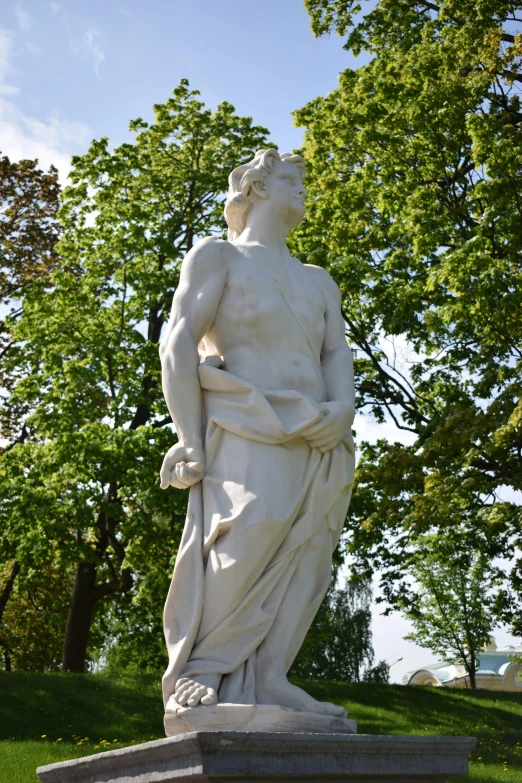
(256, 306)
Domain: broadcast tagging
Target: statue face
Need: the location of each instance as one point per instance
(286, 192)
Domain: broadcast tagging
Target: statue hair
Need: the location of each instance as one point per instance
(244, 182)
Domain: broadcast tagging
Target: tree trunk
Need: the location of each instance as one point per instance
(84, 599)
(473, 675)
(79, 619)
(8, 589)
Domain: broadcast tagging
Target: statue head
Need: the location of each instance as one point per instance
(268, 176)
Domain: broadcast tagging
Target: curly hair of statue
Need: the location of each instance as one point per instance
(246, 184)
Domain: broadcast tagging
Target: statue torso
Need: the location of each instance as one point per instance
(270, 323)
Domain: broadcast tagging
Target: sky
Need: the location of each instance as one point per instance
(73, 71)
(76, 70)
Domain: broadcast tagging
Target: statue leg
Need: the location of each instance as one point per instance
(294, 617)
(249, 526)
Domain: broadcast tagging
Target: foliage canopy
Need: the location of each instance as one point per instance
(415, 172)
(83, 492)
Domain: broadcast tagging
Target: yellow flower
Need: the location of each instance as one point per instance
(59, 739)
(44, 735)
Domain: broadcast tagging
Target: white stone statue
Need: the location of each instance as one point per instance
(258, 378)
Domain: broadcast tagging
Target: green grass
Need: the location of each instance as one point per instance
(52, 717)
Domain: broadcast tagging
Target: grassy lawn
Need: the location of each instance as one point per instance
(52, 717)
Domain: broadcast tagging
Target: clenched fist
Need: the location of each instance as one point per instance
(182, 467)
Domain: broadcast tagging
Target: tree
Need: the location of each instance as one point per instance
(457, 609)
(33, 623)
(84, 492)
(29, 231)
(131, 631)
(378, 674)
(11, 571)
(338, 645)
(414, 174)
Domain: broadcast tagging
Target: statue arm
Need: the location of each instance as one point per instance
(337, 367)
(197, 297)
(336, 355)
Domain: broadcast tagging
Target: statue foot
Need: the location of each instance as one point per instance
(277, 690)
(202, 690)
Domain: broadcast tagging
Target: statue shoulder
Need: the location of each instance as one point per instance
(326, 283)
(207, 255)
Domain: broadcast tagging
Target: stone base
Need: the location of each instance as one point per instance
(251, 717)
(237, 757)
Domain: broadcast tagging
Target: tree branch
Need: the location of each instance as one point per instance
(115, 586)
(412, 407)
(161, 422)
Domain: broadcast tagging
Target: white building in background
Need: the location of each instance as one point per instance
(496, 672)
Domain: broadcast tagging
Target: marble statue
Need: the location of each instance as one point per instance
(258, 379)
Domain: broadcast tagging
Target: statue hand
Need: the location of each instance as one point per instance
(333, 427)
(182, 467)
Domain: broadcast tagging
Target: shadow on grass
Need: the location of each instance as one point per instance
(495, 719)
(396, 709)
(68, 708)
(129, 707)
(125, 708)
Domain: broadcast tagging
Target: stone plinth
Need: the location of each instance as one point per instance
(230, 756)
(251, 717)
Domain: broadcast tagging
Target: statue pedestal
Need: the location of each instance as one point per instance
(237, 757)
(251, 717)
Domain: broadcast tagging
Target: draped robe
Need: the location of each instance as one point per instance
(266, 496)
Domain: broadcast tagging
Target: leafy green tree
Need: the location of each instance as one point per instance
(378, 674)
(457, 604)
(338, 645)
(29, 232)
(414, 168)
(133, 639)
(84, 491)
(9, 573)
(33, 622)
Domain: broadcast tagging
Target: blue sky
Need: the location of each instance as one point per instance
(72, 71)
(76, 70)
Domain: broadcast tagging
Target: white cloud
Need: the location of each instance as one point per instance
(88, 47)
(24, 19)
(52, 142)
(90, 41)
(6, 48)
(21, 136)
(129, 14)
(57, 9)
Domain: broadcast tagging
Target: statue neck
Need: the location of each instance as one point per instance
(265, 228)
